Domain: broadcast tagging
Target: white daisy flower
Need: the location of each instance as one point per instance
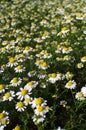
(2, 88)
(16, 81)
(20, 106)
(83, 90)
(83, 59)
(38, 101)
(12, 62)
(23, 92)
(19, 69)
(9, 96)
(27, 100)
(70, 84)
(79, 96)
(30, 85)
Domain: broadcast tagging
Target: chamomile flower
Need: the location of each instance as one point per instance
(17, 128)
(70, 84)
(69, 75)
(40, 110)
(79, 16)
(44, 65)
(19, 69)
(16, 81)
(41, 75)
(79, 96)
(83, 59)
(4, 120)
(20, 106)
(63, 103)
(9, 96)
(2, 88)
(27, 50)
(12, 62)
(27, 100)
(43, 85)
(23, 92)
(47, 56)
(80, 65)
(83, 90)
(38, 119)
(38, 102)
(31, 73)
(53, 78)
(30, 85)
(66, 50)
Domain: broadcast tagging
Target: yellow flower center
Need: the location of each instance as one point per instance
(38, 101)
(70, 83)
(12, 60)
(23, 92)
(84, 58)
(3, 121)
(2, 86)
(64, 28)
(53, 75)
(44, 64)
(80, 95)
(2, 115)
(27, 100)
(20, 104)
(30, 83)
(47, 107)
(47, 54)
(19, 67)
(17, 128)
(39, 108)
(79, 15)
(27, 48)
(3, 49)
(15, 80)
(7, 95)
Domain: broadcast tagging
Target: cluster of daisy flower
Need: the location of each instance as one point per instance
(42, 61)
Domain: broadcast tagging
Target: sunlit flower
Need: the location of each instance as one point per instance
(4, 120)
(12, 62)
(79, 16)
(38, 101)
(16, 81)
(70, 84)
(80, 65)
(27, 100)
(30, 85)
(69, 75)
(17, 128)
(83, 59)
(2, 88)
(21, 95)
(9, 96)
(20, 106)
(19, 69)
(83, 90)
(79, 96)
